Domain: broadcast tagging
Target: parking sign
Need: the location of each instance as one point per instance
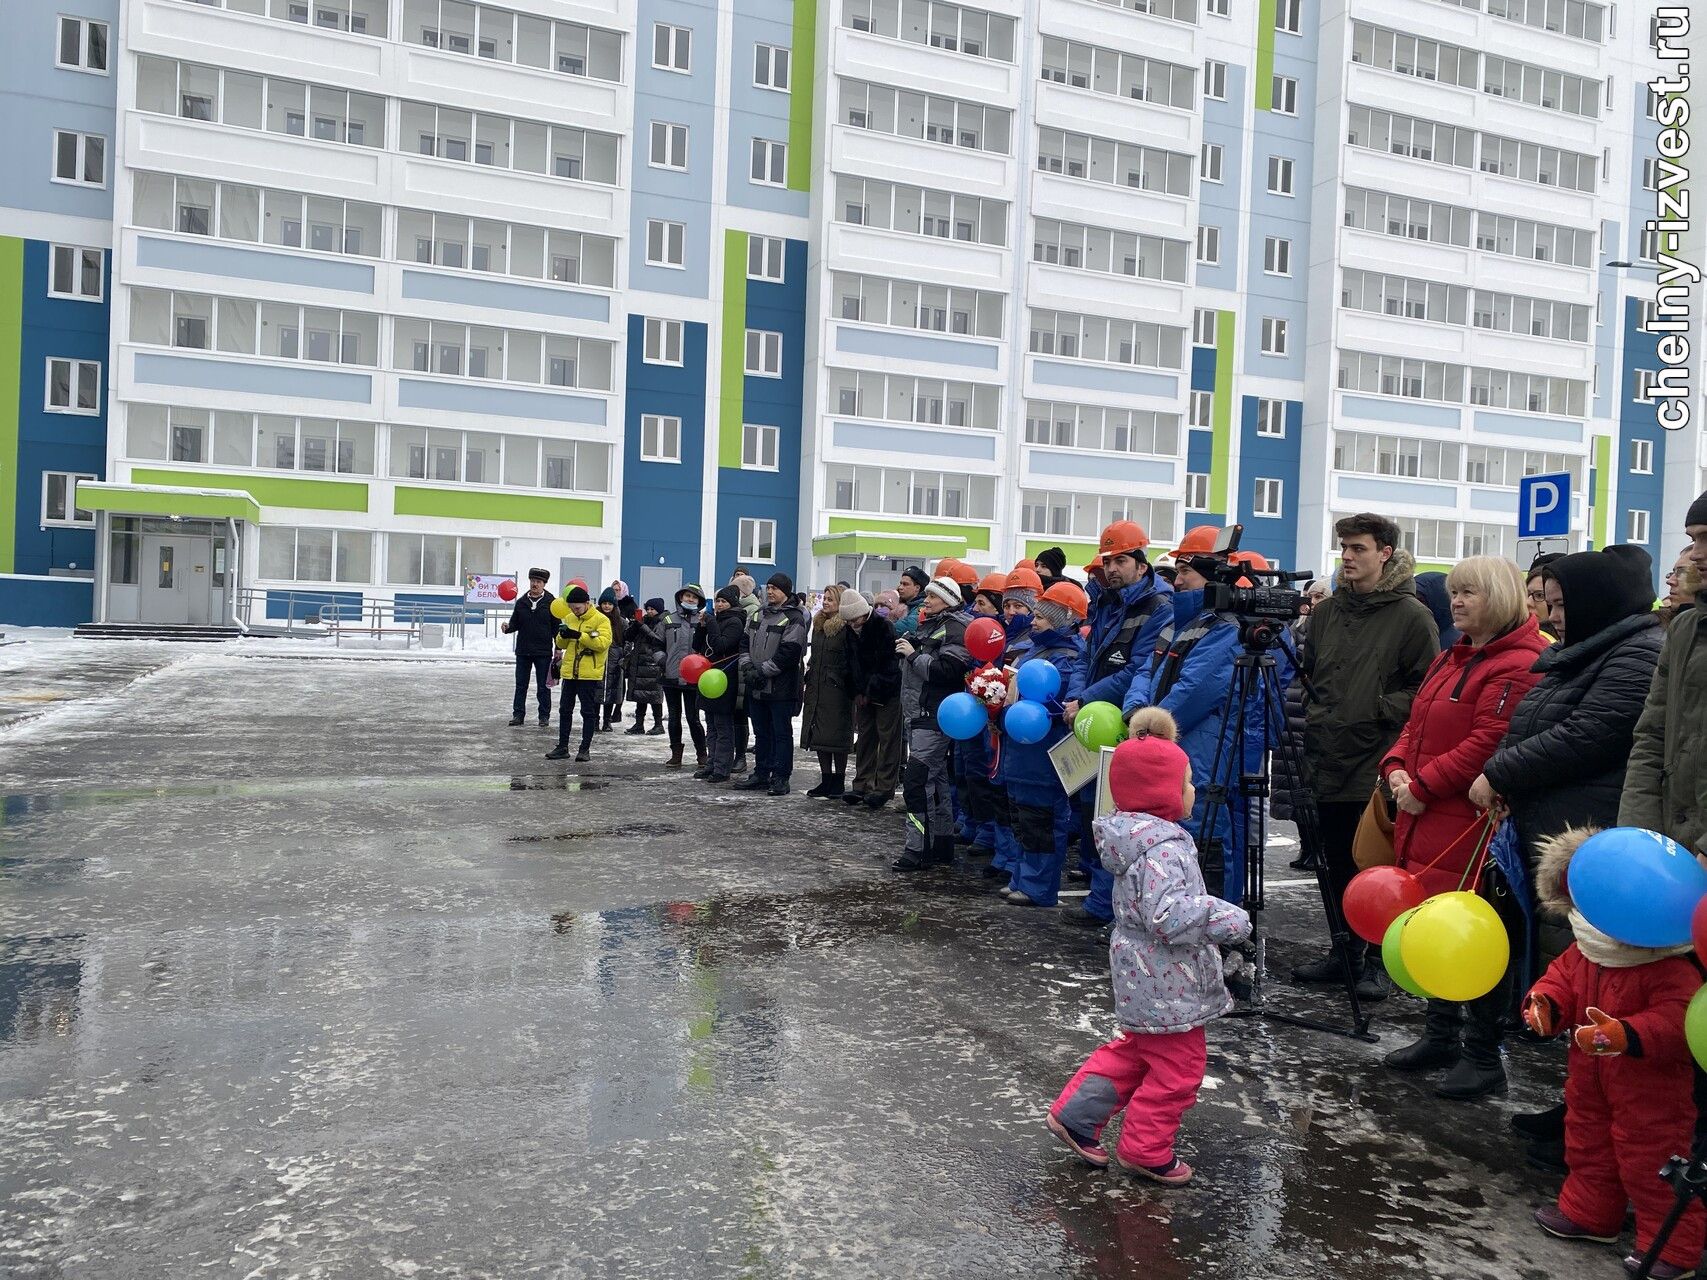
(1544, 506)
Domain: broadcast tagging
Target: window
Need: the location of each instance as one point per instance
(669, 146)
(1209, 245)
(1286, 16)
(672, 47)
(1196, 491)
(765, 258)
(758, 447)
(764, 353)
(1650, 246)
(770, 67)
(73, 386)
(58, 496)
(1201, 410)
(82, 45)
(77, 273)
(1125, 75)
(769, 166)
(1211, 162)
(1218, 8)
(1266, 497)
(1277, 256)
(947, 122)
(435, 559)
(757, 541)
(1271, 419)
(936, 23)
(660, 438)
(1280, 175)
(1642, 457)
(1273, 336)
(663, 341)
(1215, 80)
(1203, 327)
(79, 158)
(328, 555)
(1638, 527)
(1284, 96)
(664, 243)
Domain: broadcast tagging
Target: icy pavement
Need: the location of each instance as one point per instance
(316, 968)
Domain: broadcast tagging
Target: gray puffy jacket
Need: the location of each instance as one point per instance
(679, 633)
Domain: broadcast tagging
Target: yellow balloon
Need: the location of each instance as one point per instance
(560, 608)
(1455, 947)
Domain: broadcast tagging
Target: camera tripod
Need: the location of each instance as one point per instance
(1688, 1180)
(1237, 791)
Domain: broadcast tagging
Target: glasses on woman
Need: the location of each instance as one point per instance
(1537, 597)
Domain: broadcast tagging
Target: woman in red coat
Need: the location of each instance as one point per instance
(1459, 716)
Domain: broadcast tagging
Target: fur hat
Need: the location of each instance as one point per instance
(544, 575)
(853, 607)
(945, 589)
(920, 578)
(1149, 772)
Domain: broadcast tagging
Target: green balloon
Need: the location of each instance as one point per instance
(1099, 725)
(1391, 959)
(1695, 1026)
(713, 684)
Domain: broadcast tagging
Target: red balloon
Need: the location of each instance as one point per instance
(693, 667)
(1698, 928)
(507, 590)
(1378, 896)
(985, 639)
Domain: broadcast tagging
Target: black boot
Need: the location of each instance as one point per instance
(824, 776)
(516, 722)
(1480, 1072)
(1373, 984)
(1439, 1044)
(1541, 1126)
(754, 781)
(942, 852)
(1330, 968)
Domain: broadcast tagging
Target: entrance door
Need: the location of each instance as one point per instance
(201, 581)
(165, 588)
(661, 581)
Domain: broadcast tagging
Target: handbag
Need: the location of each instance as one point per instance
(1373, 844)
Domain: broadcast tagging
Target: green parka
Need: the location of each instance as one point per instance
(1665, 785)
(1365, 656)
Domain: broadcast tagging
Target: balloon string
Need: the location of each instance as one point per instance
(1430, 866)
(1478, 863)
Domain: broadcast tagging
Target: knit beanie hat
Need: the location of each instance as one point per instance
(1023, 586)
(607, 596)
(1149, 772)
(782, 582)
(730, 595)
(1697, 513)
(945, 589)
(1054, 617)
(656, 604)
(578, 595)
(853, 607)
(744, 582)
(889, 601)
(1052, 561)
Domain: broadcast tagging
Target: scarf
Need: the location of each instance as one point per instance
(1609, 953)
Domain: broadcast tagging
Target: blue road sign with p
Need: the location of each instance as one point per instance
(1544, 506)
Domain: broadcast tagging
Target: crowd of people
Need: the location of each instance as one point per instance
(1482, 719)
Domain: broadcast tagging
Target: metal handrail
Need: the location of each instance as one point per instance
(373, 616)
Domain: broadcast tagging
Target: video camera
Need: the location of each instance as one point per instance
(1263, 609)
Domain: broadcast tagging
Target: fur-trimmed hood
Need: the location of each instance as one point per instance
(831, 625)
(1552, 890)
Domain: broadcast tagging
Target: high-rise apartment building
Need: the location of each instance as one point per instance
(403, 290)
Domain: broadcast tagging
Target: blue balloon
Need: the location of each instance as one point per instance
(1027, 722)
(1636, 886)
(1039, 681)
(961, 716)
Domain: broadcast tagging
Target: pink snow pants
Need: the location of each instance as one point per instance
(1154, 1077)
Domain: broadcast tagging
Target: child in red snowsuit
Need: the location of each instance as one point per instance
(1629, 1091)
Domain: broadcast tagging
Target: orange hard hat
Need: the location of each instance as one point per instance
(1251, 560)
(1024, 579)
(1027, 563)
(1071, 597)
(1199, 540)
(1122, 538)
(993, 582)
(962, 573)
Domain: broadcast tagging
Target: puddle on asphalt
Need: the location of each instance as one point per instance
(562, 837)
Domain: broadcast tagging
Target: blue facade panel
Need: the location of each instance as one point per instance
(1639, 420)
(1198, 446)
(1269, 458)
(757, 112)
(663, 502)
(1223, 122)
(1282, 297)
(56, 327)
(1203, 368)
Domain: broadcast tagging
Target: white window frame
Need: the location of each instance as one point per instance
(768, 248)
(662, 336)
(1641, 457)
(1284, 89)
(82, 158)
(668, 231)
(1638, 526)
(750, 536)
(769, 345)
(1271, 418)
(78, 250)
(758, 438)
(70, 520)
(1204, 321)
(1212, 162)
(668, 134)
(1287, 168)
(84, 26)
(1275, 336)
(766, 60)
(678, 51)
(1196, 491)
(1218, 8)
(77, 367)
(1276, 256)
(1208, 238)
(1268, 497)
(665, 430)
(767, 164)
(1287, 16)
(1214, 80)
(1200, 411)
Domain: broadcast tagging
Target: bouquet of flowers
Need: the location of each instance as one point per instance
(989, 684)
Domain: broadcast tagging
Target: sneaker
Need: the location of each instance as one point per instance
(1018, 899)
(1087, 1149)
(545, 722)
(1661, 1270)
(1079, 874)
(1006, 891)
(583, 755)
(1175, 1173)
(517, 722)
(1551, 1219)
(778, 787)
(909, 861)
(559, 752)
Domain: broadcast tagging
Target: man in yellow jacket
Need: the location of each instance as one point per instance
(584, 637)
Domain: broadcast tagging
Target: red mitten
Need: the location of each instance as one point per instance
(1602, 1037)
(1541, 1015)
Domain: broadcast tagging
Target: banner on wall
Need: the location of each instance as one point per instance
(482, 588)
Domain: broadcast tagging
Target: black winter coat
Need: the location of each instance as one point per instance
(1561, 763)
(827, 722)
(646, 660)
(722, 644)
(874, 668)
(1288, 790)
(533, 626)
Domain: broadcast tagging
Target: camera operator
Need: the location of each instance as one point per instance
(1366, 652)
(1191, 678)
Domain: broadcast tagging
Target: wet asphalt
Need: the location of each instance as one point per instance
(314, 967)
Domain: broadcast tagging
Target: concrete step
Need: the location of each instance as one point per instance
(153, 631)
